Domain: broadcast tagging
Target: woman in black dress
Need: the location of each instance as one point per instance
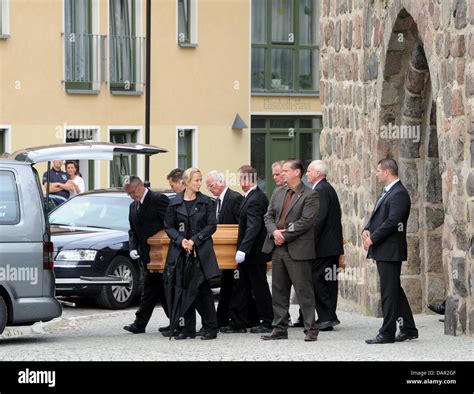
(190, 222)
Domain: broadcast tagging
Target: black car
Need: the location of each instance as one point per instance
(90, 237)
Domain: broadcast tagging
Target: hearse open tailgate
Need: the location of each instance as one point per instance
(92, 281)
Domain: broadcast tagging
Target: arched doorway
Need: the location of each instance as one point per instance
(408, 133)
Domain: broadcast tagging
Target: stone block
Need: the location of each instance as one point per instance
(451, 316)
(434, 254)
(435, 289)
(434, 218)
(459, 275)
(412, 288)
(433, 186)
(413, 264)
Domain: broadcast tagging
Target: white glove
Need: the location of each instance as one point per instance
(134, 254)
(239, 257)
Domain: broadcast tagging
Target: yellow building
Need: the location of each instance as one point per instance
(232, 81)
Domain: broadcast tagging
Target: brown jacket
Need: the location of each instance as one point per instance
(299, 222)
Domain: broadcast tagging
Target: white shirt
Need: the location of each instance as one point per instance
(144, 195)
(80, 183)
(248, 192)
(222, 195)
(316, 184)
(390, 185)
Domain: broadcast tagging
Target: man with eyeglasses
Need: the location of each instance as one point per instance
(146, 217)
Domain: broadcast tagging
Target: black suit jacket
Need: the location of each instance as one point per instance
(328, 227)
(252, 231)
(230, 207)
(146, 223)
(388, 226)
(201, 223)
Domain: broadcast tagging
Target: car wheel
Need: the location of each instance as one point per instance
(119, 297)
(3, 315)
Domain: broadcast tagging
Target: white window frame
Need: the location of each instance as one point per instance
(193, 31)
(5, 6)
(8, 137)
(194, 141)
(96, 55)
(96, 138)
(139, 7)
(140, 140)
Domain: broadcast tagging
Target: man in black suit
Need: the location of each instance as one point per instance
(227, 212)
(146, 217)
(385, 239)
(250, 282)
(328, 247)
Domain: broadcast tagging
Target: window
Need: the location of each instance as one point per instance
(3, 147)
(122, 164)
(88, 169)
(81, 46)
(281, 138)
(126, 47)
(4, 19)
(187, 22)
(185, 148)
(285, 46)
(9, 203)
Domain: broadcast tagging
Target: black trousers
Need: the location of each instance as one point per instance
(225, 297)
(394, 301)
(204, 304)
(153, 291)
(325, 286)
(250, 287)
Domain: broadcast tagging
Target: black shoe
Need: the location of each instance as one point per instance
(209, 335)
(168, 333)
(404, 336)
(185, 335)
(261, 329)
(379, 339)
(134, 329)
(327, 329)
(163, 329)
(233, 330)
(325, 324)
(275, 334)
(440, 309)
(201, 332)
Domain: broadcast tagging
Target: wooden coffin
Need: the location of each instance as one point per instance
(225, 246)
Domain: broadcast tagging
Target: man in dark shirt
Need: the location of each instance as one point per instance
(58, 180)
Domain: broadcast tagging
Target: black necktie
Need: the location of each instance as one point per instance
(218, 207)
(139, 205)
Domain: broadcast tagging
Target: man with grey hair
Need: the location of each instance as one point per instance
(227, 212)
(328, 247)
(146, 217)
(277, 173)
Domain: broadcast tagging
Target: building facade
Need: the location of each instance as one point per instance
(397, 81)
(74, 70)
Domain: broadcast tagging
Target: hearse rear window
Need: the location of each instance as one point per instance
(9, 204)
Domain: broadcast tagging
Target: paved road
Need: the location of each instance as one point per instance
(88, 333)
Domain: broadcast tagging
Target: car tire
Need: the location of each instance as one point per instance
(3, 315)
(119, 297)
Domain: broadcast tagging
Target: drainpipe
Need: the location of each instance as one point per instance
(147, 87)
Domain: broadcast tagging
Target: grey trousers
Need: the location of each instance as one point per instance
(285, 272)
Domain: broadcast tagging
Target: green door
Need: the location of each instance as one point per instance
(282, 147)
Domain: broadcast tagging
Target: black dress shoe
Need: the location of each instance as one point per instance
(275, 334)
(379, 339)
(325, 324)
(209, 335)
(185, 335)
(440, 309)
(163, 329)
(404, 337)
(168, 333)
(261, 329)
(201, 332)
(327, 329)
(134, 329)
(233, 330)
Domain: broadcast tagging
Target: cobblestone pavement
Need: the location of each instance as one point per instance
(88, 333)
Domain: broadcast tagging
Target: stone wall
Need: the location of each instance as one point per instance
(394, 63)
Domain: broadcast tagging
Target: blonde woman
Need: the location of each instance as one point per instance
(190, 222)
